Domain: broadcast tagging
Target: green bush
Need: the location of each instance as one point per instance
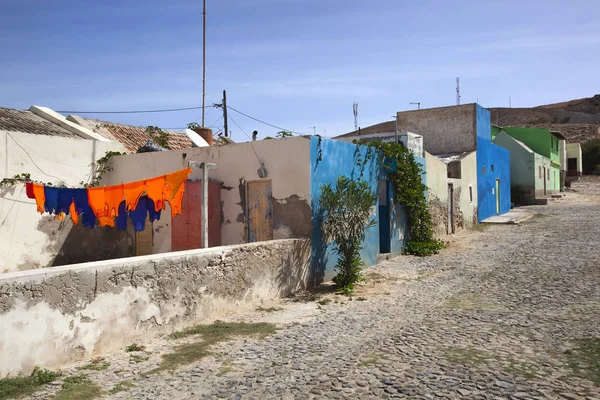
(346, 216)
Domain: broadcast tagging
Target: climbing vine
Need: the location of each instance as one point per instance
(410, 193)
(159, 136)
(99, 168)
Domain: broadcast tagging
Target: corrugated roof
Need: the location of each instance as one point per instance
(28, 122)
(132, 137)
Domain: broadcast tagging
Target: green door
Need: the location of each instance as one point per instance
(497, 196)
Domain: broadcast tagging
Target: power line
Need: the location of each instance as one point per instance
(241, 129)
(251, 141)
(263, 122)
(132, 112)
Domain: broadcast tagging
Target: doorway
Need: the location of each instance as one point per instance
(450, 227)
(143, 240)
(259, 205)
(545, 181)
(497, 196)
(385, 240)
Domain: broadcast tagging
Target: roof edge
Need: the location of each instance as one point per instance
(52, 116)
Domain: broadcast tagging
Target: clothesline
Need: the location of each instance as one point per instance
(110, 205)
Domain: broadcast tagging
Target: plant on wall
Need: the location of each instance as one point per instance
(99, 168)
(410, 193)
(346, 212)
(158, 136)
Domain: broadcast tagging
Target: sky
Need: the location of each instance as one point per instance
(296, 64)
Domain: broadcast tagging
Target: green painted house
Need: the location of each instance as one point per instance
(529, 171)
(545, 143)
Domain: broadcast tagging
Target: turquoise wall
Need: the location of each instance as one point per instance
(328, 160)
(493, 162)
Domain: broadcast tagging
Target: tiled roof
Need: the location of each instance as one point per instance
(383, 127)
(28, 122)
(132, 137)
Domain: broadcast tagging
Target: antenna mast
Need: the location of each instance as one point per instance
(204, 60)
(457, 92)
(355, 111)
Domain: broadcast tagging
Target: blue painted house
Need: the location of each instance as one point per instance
(330, 159)
(456, 130)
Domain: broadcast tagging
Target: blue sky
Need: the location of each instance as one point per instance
(294, 63)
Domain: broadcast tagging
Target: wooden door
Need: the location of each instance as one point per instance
(143, 240)
(259, 203)
(186, 228)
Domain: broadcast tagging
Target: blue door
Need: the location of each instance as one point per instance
(384, 217)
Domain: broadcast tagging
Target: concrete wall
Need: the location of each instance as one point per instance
(542, 166)
(53, 316)
(493, 162)
(465, 208)
(445, 130)
(410, 140)
(329, 159)
(288, 169)
(523, 169)
(28, 239)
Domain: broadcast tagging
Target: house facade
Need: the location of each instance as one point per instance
(456, 130)
(529, 171)
(39, 144)
(574, 161)
(547, 144)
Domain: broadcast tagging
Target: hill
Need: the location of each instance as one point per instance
(578, 120)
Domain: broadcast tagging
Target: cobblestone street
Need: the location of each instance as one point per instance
(501, 313)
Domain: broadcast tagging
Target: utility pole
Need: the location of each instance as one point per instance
(314, 128)
(457, 92)
(509, 102)
(225, 112)
(355, 112)
(418, 104)
(204, 60)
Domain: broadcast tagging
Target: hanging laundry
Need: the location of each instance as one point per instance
(175, 186)
(155, 189)
(114, 197)
(122, 217)
(29, 190)
(65, 198)
(176, 201)
(82, 206)
(40, 197)
(152, 213)
(139, 215)
(133, 191)
(51, 194)
(73, 212)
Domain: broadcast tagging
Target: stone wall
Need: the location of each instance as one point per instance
(52, 316)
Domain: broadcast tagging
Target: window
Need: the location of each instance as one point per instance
(470, 193)
(539, 171)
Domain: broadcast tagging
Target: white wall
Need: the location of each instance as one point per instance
(411, 141)
(28, 240)
(287, 162)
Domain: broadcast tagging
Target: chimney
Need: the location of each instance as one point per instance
(205, 134)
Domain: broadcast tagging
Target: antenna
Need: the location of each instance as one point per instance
(509, 102)
(355, 111)
(418, 103)
(457, 91)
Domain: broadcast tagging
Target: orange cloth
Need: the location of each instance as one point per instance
(113, 196)
(105, 202)
(40, 197)
(155, 189)
(176, 201)
(106, 221)
(61, 216)
(133, 191)
(174, 188)
(97, 200)
(73, 212)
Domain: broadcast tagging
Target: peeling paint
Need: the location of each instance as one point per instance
(291, 217)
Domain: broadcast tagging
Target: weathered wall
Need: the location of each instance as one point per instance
(410, 140)
(493, 162)
(28, 239)
(445, 130)
(542, 166)
(53, 316)
(465, 209)
(523, 169)
(288, 169)
(329, 159)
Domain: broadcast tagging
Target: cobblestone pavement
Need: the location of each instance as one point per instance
(496, 315)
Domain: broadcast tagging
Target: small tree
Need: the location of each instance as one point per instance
(346, 216)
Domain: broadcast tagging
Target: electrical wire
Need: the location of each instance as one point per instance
(37, 166)
(263, 122)
(251, 141)
(47, 158)
(133, 112)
